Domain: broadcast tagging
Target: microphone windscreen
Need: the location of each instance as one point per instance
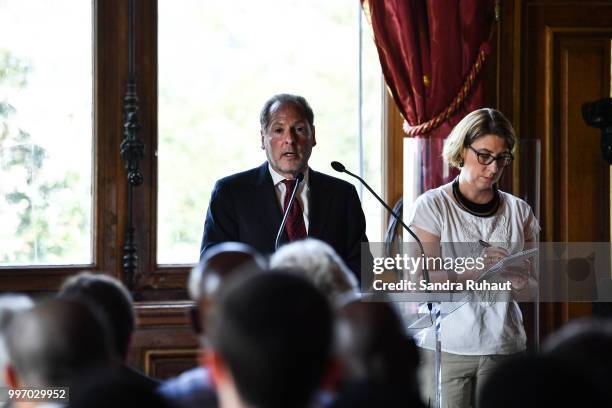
(338, 166)
(300, 177)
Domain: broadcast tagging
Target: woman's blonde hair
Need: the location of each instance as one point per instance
(479, 123)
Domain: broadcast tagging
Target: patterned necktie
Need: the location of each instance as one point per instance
(295, 227)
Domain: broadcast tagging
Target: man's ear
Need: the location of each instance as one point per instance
(10, 377)
(314, 139)
(261, 132)
(214, 362)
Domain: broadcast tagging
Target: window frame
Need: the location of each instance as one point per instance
(153, 282)
(109, 65)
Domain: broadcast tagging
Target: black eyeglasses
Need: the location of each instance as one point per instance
(503, 159)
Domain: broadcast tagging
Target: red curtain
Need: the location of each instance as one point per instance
(431, 52)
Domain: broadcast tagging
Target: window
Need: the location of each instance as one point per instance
(46, 133)
(63, 72)
(219, 63)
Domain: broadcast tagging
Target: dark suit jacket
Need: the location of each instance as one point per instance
(244, 208)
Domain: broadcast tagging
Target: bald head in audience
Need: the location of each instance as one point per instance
(216, 267)
(271, 338)
(55, 342)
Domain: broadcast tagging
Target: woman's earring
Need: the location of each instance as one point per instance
(461, 163)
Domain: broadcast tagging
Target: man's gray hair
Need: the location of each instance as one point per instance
(320, 264)
(278, 100)
(55, 342)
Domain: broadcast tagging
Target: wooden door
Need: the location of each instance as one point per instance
(565, 62)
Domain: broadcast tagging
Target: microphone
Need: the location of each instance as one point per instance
(339, 167)
(298, 179)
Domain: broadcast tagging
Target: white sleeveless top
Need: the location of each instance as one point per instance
(477, 328)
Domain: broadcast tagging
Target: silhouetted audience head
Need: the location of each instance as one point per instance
(10, 304)
(216, 267)
(318, 262)
(219, 261)
(587, 344)
(374, 345)
(271, 335)
(111, 298)
(379, 361)
(538, 381)
(55, 342)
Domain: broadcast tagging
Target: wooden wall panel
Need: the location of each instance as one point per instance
(583, 74)
(393, 155)
(164, 344)
(564, 61)
(166, 363)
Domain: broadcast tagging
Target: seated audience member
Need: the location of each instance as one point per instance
(55, 343)
(220, 263)
(112, 299)
(379, 361)
(193, 388)
(586, 344)
(270, 337)
(110, 388)
(538, 381)
(318, 262)
(10, 304)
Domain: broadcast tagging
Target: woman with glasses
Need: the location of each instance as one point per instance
(491, 224)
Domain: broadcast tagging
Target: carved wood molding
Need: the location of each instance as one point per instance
(163, 314)
(155, 359)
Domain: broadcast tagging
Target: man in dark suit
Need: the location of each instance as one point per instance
(248, 207)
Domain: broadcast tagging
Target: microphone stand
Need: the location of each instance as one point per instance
(339, 167)
(298, 179)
